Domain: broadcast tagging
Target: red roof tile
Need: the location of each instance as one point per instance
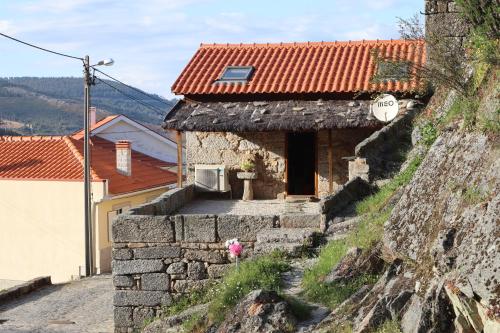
(61, 158)
(325, 67)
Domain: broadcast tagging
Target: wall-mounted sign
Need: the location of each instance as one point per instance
(385, 107)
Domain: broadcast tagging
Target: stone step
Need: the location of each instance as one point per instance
(290, 248)
(301, 220)
(286, 235)
(343, 227)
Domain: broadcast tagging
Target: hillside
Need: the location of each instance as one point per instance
(54, 105)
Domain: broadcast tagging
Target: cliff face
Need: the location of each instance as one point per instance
(447, 220)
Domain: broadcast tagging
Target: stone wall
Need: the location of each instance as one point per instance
(444, 20)
(269, 151)
(230, 148)
(158, 255)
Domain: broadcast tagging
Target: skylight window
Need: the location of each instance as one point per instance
(236, 74)
(393, 71)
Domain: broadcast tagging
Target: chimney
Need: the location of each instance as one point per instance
(124, 157)
(93, 111)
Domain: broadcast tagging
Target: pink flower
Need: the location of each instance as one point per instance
(235, 249)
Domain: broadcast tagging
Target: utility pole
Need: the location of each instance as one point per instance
(86, 167)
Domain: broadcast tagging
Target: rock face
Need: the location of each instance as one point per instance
(447, 219)
(260, 311)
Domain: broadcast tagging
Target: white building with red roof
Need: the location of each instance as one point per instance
(41, 196)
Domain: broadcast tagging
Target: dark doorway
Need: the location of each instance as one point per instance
(301, 166)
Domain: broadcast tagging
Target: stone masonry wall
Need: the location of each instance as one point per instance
(230, 148)
(158, 256)
(444, 20)
(269, 151)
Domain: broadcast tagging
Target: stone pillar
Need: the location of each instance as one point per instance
(443, 20)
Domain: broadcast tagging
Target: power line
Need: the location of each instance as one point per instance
(149, 106)
(131, 87)
(40, 48)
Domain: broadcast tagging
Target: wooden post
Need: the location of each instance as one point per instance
(330, 162)
(179, 158)
(316, 164)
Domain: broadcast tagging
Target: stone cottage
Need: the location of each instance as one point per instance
(297, 109)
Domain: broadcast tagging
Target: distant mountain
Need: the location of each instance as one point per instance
(55, 105)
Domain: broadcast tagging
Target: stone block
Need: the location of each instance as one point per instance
(136, 266)
(177, 268)
(142, 228)
(184, 286)
(196, 271)
(178, 276)
(155, 281)
(123, 281)
(141, 298)
(121, 254)
(217, 271)
(140, 315)
(300, 220)
(212, 257)
(157, 252)
(243, 227)
(122, 316)
(199, 228)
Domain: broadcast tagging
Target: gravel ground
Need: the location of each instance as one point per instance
(84, 306)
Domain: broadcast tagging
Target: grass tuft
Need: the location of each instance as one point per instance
(390, 326)
(258, 273)
(369, 231)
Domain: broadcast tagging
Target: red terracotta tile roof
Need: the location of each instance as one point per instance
(79, 134)
(61, 158)
(38, 157)
(325, 67)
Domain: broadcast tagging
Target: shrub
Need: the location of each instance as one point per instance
(429, 133)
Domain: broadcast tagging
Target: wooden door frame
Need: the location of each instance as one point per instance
(316, 172)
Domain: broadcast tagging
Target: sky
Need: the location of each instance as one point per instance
(152, 40)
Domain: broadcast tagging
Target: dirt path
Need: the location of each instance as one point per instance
(292, 286)
(84, 306)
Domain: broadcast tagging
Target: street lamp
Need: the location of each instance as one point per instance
(88, 81)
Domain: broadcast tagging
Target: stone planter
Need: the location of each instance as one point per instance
(247, 183)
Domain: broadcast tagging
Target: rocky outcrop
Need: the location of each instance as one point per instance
(260, 311)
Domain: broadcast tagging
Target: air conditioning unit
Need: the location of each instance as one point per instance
(211, 178)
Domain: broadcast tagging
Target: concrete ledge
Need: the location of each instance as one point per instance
(23, 289)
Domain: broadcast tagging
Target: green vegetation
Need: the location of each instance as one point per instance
(299, 309)
(429, 133)
(258, 273)
(473, 195)
(54, 105)
(194, 323)
(375, 210)
(195, 297)
(391, 326)
(333, 294)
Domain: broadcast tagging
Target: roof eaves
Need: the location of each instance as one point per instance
(79, 157)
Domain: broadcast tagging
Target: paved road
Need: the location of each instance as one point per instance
(84, 306)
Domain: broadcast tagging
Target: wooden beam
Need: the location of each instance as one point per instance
(330, 162)
(316, 164)
(179, 158)
(286, 164)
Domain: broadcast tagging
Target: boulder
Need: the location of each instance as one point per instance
(259, 311)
